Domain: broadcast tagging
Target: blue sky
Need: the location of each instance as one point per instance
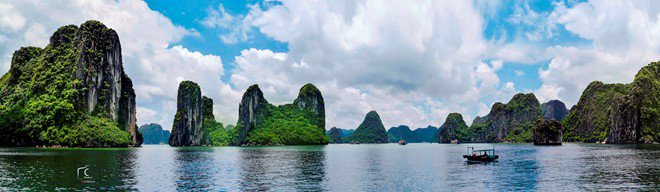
(412, 61)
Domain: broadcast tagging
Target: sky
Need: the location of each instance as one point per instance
(414, 62)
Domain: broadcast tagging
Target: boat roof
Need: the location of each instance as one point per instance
(481, 150)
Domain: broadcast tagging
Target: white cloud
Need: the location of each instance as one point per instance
(624, 35)
(10, 19)
(236, 27)
(413, 63)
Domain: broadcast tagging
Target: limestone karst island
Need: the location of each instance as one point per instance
(280, 95)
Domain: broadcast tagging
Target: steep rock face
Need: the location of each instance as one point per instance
(590, 118)
(251, 113)
(451, 129)
(335, 135)
(299, 123)
(310, 99)
(79, 78)
(154, 134)
(100, 70)
(511, 122)
(187, 129)
(635, 117)
(547, 132)
(371, 130)
(554, 109)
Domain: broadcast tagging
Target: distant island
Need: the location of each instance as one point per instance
(605, 113)
(154, 134)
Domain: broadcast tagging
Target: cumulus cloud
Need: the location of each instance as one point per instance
(413, 63)
(624, 37)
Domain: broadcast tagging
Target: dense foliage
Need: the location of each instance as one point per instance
(454, 128)
(589, 119)
(511, 122)
(287, 125)
(646, 90)
(299, 123)
(371, 130)
(41, 100)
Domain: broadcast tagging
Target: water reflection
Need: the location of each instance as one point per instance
(194, 168)
(58, 169)
(300, 168)
(386, 167)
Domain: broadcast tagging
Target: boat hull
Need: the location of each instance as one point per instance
(480, 158)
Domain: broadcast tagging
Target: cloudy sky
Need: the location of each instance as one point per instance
(412, 61)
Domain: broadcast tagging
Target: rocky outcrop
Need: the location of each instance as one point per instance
(371, 130)
(299, 123)
(547, 132)
(187, 129)
(554, 109)
(635, 117)
(310, 99)
(419, 135)
(153, 133)
(251, 113)
(402, 132)
(450, 130)
(81, 73)
(100, 70)
(589, 120)
(427, 134)
(511, 122)
(335, 135)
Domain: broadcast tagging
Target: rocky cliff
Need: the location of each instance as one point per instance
(261, 123)
(153, 133)
(554, 109)
(635, 117)
(310, 99)
(589, 119)
(371, 130)
(335, 135)
(452, 130)
(187, 126)
(252, 111)
(79, 77)
(547, 132)
(511, 122)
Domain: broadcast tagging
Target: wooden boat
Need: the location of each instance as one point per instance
(483, 155)
(402, 142)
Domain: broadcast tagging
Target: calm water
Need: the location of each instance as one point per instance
(385, 167)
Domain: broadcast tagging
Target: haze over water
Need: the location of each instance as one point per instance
(343, 167)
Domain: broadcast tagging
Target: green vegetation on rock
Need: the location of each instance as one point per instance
(45, 97)
(371, 130)
(618, 113)
(299, 123)
(589, 119)
(511, 122)
(454, 129)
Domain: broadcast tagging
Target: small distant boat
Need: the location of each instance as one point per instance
(402, 142)
(355, 142)
(478, 156)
